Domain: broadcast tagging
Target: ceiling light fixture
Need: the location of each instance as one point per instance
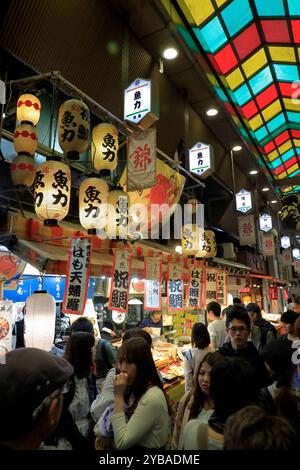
(170, 53)
(178, 249)
(265, 189)
(253, 172)
(212, 112)
(274, 201)
(236, 148)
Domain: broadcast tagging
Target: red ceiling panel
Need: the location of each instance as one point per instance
(249, 109)
(275, 30)
(226, 59)
(267, 96)
(247, 41)
(282, 138)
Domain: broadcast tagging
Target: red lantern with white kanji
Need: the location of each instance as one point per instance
(93, 198)
(25, 139)
(105, 145)
(73, 128)
(117, 215)
(22, 171)
(28, 109)
(52, 191)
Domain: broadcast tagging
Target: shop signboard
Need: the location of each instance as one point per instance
(243, 201)
(268, 244)
(287, 257)
(211, 285)
(175, 287)
(265, 223)
(6, 323)
(222, 284)
(121, 278)
(297, 265)
(285, 242)
(246, 230)
(201, 159)
(153, 280)
(141, 160)
(195, 287)
(273, 293)
(78, 274)
(137, 100)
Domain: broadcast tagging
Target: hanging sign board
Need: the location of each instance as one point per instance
(286, 257)
(265, 223)
(141, 160)
(268, 244)
(175, 287)
(273, 293)
(222, 285)
(153, 280)
(201, 160)
(246, 230)
(211, 285)
(121, 277)
(139, 104)
(243, 201)
(6, 323)
(285, 242)
(78, 275)
(195, 287)
(297, 265)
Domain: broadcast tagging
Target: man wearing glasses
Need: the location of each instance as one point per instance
(238, 327)
(32, 384)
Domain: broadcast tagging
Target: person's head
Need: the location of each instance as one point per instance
(137, 333)
(252, 429)
(213, 309)
(278, 359)
(32, 382)
(238, 326)
(297, 328)
(135, 359)
(200, 336)
(296, 305)
(80, 353)
(232, 386)
(288, 320)
(289, 300)
(236, 300)
(82, 324)
(155, 316)
(201, 388)
(253, 311)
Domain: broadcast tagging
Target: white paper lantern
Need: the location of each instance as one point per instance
(93, 198)
(117, 216)
(28, 109)
(40, 320)
(105, 146)
(73, 128)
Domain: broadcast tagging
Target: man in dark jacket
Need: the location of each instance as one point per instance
(238, 328)
(266, 331)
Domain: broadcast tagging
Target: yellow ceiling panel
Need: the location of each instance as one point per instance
(282, 54)
(273, 155)
(292, 104)
(199, 10)
(281, 175)
(235, 78)
(292, 169)
(285, 147)
(256, 62)
(296, 142)
(221, 2)
(256, 122)
(272, 110)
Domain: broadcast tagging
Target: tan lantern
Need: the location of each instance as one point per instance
(73, 128)
(190, 239)
(22, 171)
(208, 245)
(105, 146)
(28, 109)
(117, 214)
(93, 198)
(25, 139)
(52, 189)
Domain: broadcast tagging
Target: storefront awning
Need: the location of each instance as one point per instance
(261, 276)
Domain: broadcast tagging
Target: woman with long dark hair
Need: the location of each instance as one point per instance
(200, 340)
(139, 387)
(198, 403)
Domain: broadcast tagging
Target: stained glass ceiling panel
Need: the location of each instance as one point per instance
(254, 49)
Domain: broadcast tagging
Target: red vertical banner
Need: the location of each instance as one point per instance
(153, 279)
(285, 294)
(120, 281)
(222, 287)
(211, 285)
(195, 287)
(273, 293)
(175, 287)
(78, 275)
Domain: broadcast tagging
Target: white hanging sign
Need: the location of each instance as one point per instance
(137, 100)
(195, 287)
(222, 286)
(201, 160)
(175, 287)
(268, 244)
(211, 285)
(141, 160)
(153, 279)
(246, 230)
(285, 242)
(6, 323)
(121, 277)
(78, 275)
(243, 201)
(265, 223)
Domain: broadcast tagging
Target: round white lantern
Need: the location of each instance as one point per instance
(93, 198)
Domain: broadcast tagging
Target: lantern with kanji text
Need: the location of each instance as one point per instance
(208, 245)
(190, 241)
(117, 214)
(28, 109)
(105, 146)
(73, 128)
(52, 189)
(93, 198)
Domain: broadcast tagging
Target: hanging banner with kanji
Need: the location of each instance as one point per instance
(268, 244)
(287, 257)
(6, 323)
(211, 284)
(153, 279)
(297, 265)
(246, 230)
(175, 287)
(78, 275)
(195, 287)
(121, 278)
(141, 160)
(273, 293)
(222, 284)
